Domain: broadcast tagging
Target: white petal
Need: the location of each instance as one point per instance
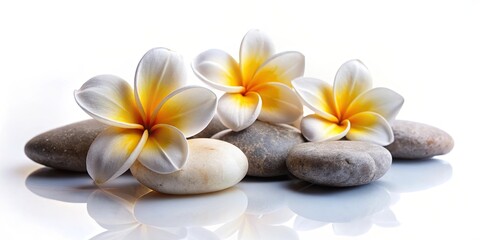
(383, 101)
(109, 99)
(255, 49)
(113, 152)
(317, 95)
(282, 68)
(280, 104)
(159, 72)
(219, 70)
(317, 129)
(370, 127)
(189, 109)
(237, 111)
(351, 80)
(166, 150)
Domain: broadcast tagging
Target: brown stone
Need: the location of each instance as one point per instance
(339, 163)
(415, 140)
(265, 145)
(65, 147)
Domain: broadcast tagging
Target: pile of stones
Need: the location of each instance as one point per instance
(220, 158)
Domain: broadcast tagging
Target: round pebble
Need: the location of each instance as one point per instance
(212, 165)
(415, 140)
(266, 146)
(339, 163)
(65, 147)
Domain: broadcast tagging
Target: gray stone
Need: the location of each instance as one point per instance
(415, 140)
(214, 127)
(339, 163)
(65, 147)
(266, 146)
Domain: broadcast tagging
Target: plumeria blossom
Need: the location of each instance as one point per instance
(149, 123)
(258, 86)
(351, 108)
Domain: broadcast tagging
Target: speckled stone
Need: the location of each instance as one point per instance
(212, 165)
(215, 126)
(339, 163)
(65, 147)
(415, 140)
(266, 146)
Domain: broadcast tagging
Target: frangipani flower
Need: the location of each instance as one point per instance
(150, 123)
(351, 108)
(258, 86)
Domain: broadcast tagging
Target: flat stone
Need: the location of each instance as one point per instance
(415, 140)
(214, 127)
(65, 147)
(339, 163)
(266, 146)
(212, 165)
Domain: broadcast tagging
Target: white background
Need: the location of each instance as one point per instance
(428, 51)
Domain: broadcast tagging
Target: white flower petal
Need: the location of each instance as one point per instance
(317, 95)
(166, 150)
(189, 109)
(351, 80)
(159, 72)
(255, 49)
(280, 104)
(219, 70)
(317, 129)
(109, 99)
(113, 152)
(237, 111)
(282, 68)
(383, 101)
(370, 127)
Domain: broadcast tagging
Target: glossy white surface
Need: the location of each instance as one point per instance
(425, 50)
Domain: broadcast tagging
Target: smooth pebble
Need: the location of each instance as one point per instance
(339, 163)
(415, 140)
(212, 165)
(266, 146)
(65, 147)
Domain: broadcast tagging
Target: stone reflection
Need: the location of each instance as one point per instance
(164, 210)
(60, 185)
(411, 176)
(266, 214)
(143, 214)
(352, 211)
(115, 213)
(257, 208)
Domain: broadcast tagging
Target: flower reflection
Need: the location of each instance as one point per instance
(114, 212)
(254, 209)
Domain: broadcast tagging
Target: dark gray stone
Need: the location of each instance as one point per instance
(415, 140)
(265, 145)
(65, 147)
(339, 163)
(214, 127)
